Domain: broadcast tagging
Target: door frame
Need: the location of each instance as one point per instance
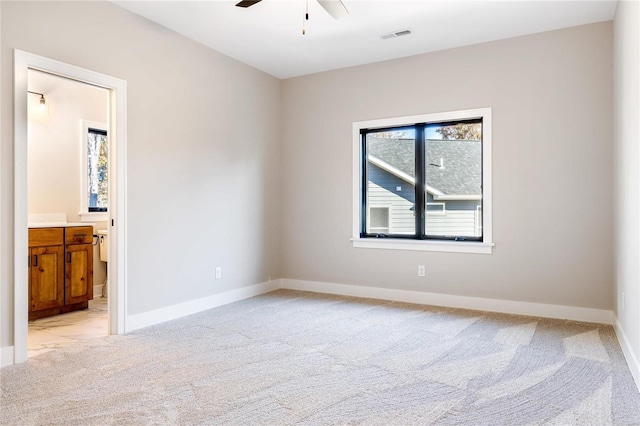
(116, 267)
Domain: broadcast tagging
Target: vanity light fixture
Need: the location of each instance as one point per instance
(43, 102)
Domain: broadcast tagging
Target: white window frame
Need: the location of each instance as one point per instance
(85, 214)
(388, 218)
(478, 224)
(483, 247)
(442, 212)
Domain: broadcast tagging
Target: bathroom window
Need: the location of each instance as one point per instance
(95, 172)
(97, 176)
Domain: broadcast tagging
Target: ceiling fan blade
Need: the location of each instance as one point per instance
(247, 3)
(334, 8)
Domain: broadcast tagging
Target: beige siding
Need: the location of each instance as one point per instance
(401, 219)
(383, 192)
(453, 222)
(459, 218)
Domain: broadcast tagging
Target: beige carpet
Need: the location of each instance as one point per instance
(300, 358)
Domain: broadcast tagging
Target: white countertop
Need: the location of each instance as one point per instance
(58, 224)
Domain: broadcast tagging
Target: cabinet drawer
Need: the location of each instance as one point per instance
(40, 237)
(78, 235)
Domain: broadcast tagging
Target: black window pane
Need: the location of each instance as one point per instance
(453, 170)
(97, 170)
(391, 182)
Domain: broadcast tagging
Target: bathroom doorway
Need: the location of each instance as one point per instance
(109, 210)
(68, 171)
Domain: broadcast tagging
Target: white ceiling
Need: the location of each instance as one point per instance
(268, 35)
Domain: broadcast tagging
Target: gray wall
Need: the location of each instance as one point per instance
(191, 169)
(627, 177)
(203, 151)
(551, 95)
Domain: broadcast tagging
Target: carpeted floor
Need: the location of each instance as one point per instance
(300, 358)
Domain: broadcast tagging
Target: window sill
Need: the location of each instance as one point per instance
(422, 245)
(94, 216)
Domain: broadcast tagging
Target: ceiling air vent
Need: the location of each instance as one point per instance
(395, 34)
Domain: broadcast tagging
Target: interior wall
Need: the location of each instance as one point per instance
(203, 151)
(55, 148)
(627, 175)
(551, 95)
(5, 293)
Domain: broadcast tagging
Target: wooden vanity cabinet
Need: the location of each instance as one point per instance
(60, 270)
(78, 278)
(46, 268)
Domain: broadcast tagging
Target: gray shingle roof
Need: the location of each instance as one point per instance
(462, 171)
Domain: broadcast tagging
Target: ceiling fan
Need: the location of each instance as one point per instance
(334, 8)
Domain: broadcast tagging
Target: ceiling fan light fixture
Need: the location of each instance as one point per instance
(247, 3)
(335, 8)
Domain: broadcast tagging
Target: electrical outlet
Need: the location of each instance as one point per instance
(218, 272)
(421, 271)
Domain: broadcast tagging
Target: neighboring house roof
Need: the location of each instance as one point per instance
(454, 168)
(402, 175)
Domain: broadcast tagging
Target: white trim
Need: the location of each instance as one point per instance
(146, 319)
(3, 237)
(423, 245)
(6, 356)
(630, 356)
(378, 229)
(573, 313)
(442, 212)
(23, 61)
(422, 118)
(478, 220)
(485, 247)
(97, 291)
(117, 270)
(635, 358)
(457, 197)
(85, 214)
(20, 211)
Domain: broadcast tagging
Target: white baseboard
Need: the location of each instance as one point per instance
(6, 356)
(145, 319)
(600, 316)
(97, 290)
(632, 359)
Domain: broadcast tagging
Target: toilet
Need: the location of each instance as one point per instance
(103, 241)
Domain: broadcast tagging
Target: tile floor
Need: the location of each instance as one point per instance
(47, 334)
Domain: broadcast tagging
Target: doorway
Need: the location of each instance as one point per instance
(68, 176)
(24, 63)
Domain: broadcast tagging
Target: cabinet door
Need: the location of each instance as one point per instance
(78, 273)
(46, 289)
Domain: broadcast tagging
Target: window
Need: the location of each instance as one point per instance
(378, 220)
(95, 172)
(433, 174)
(436, 208)
(97, 178)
